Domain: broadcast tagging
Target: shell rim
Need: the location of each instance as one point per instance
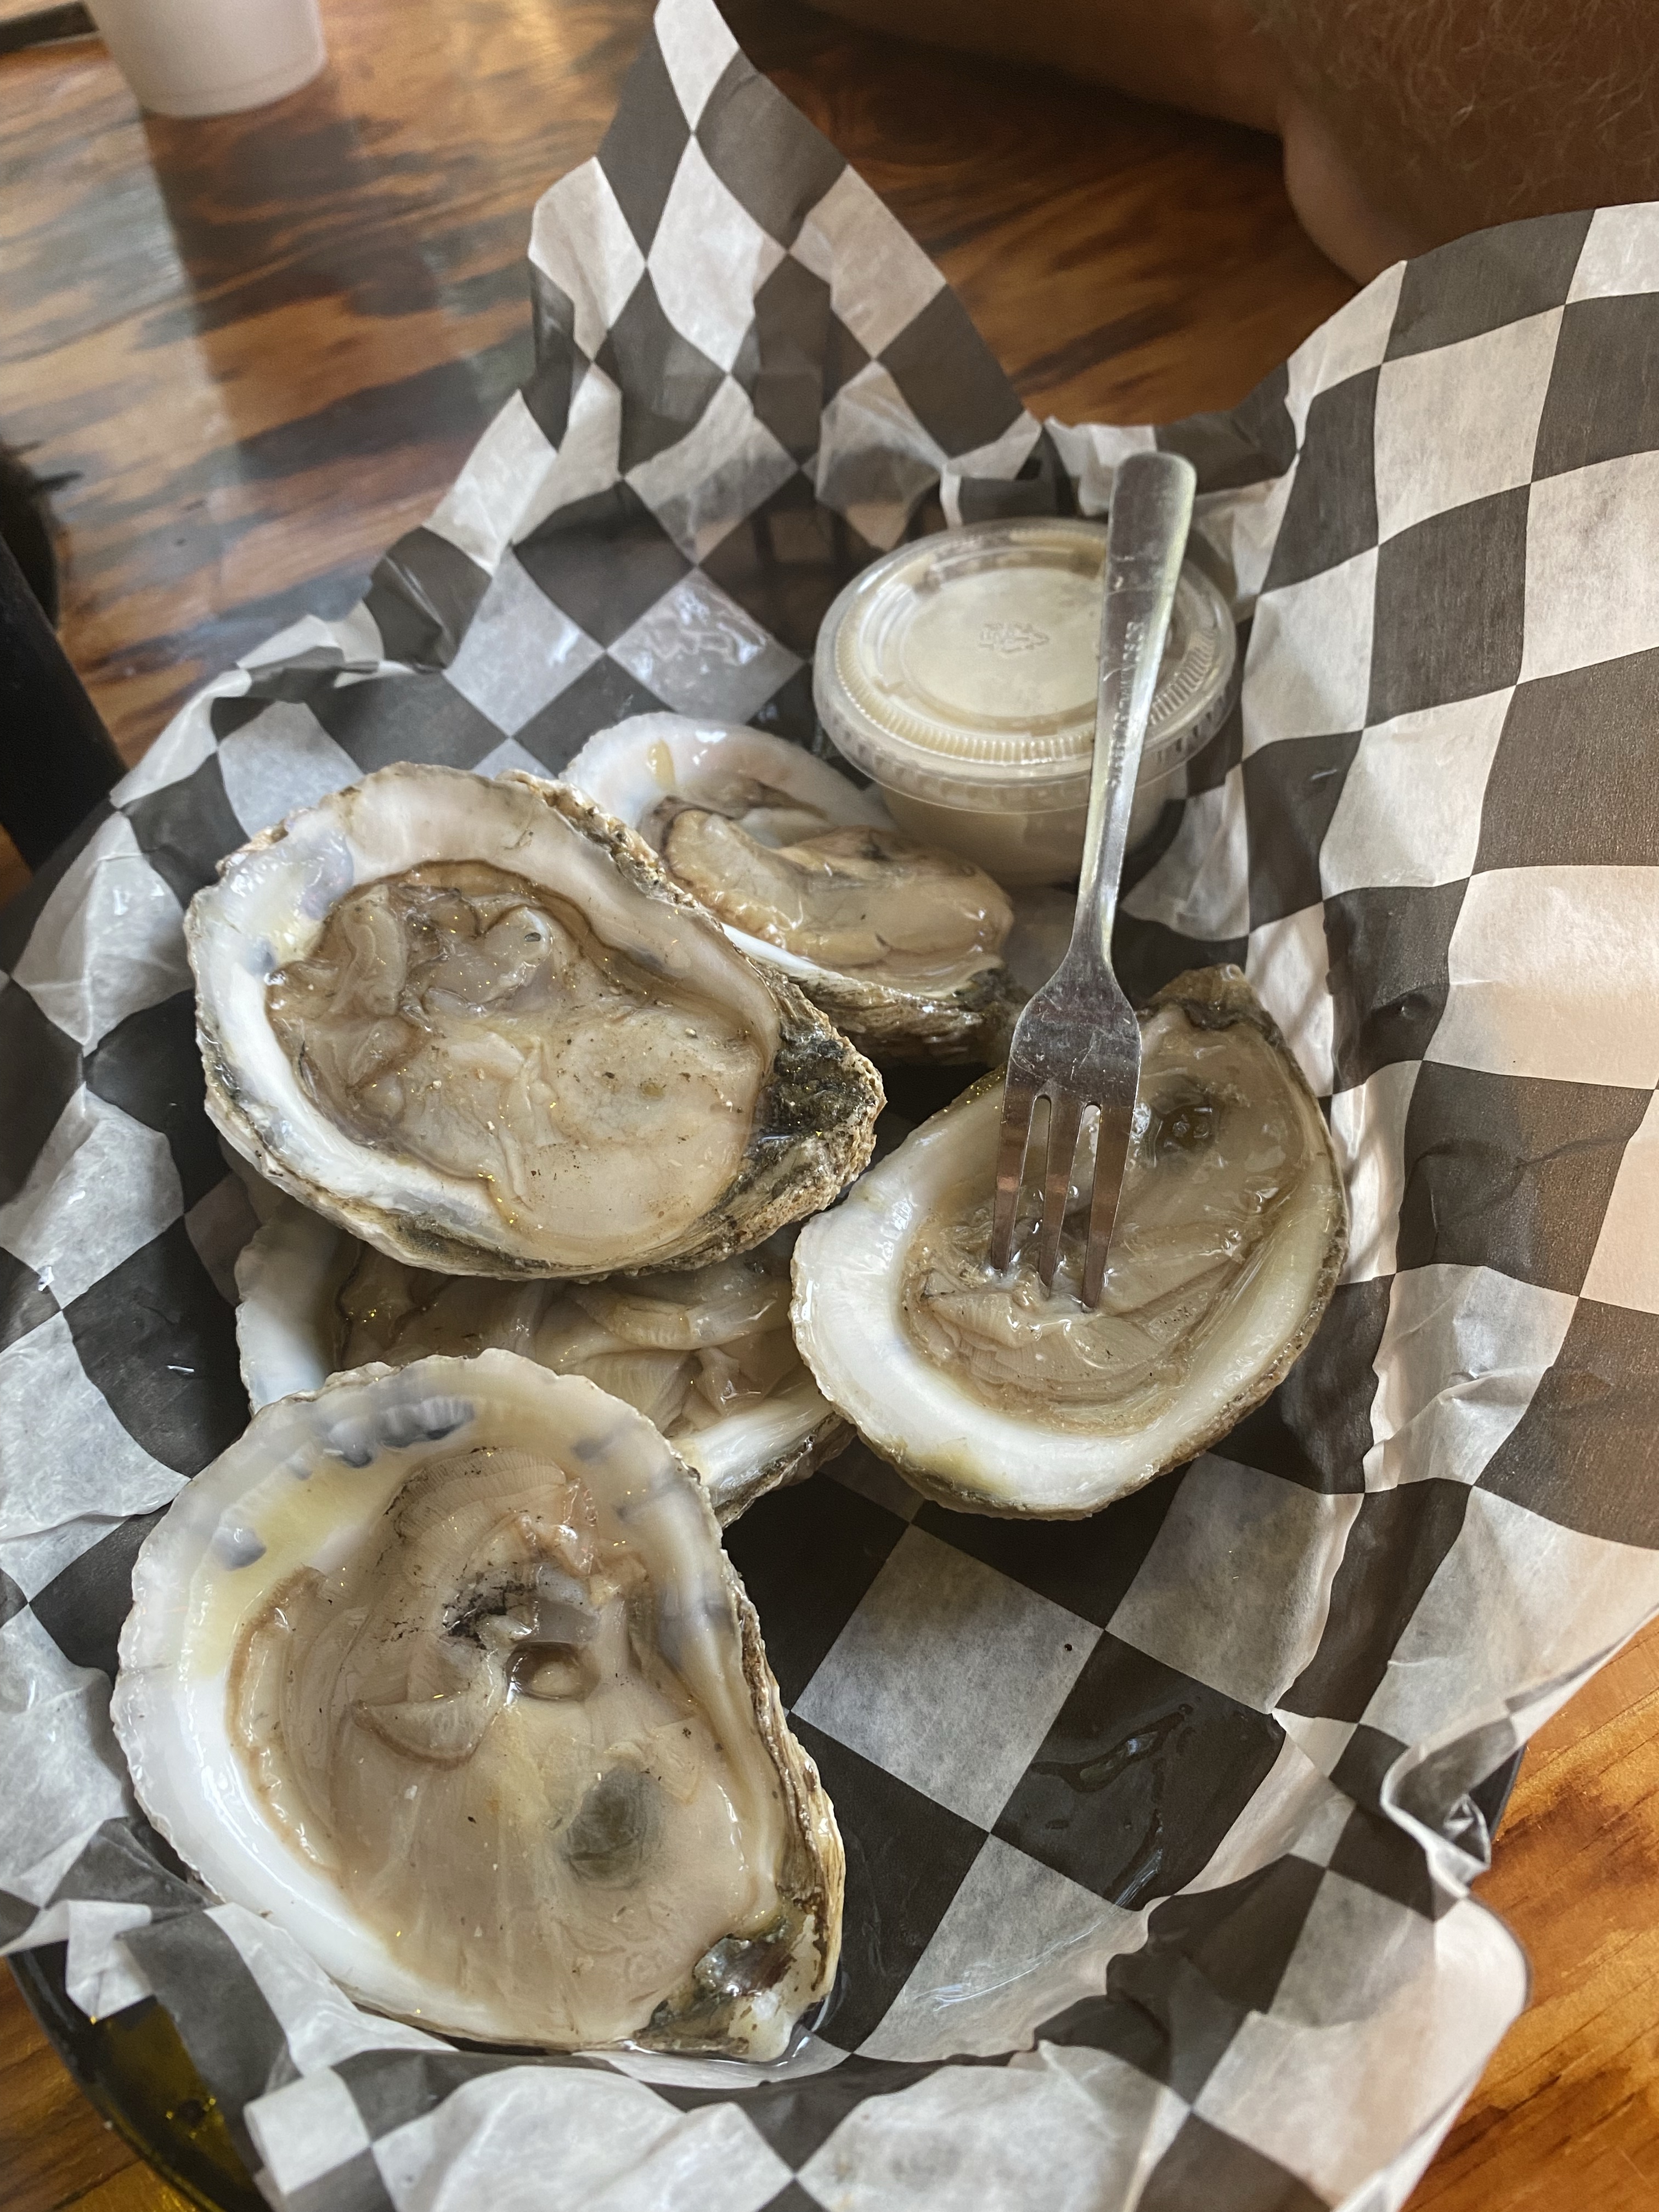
(965, 1019)
(260, 1301)
(146, 1706)
(812, 1062)
(1211, 998)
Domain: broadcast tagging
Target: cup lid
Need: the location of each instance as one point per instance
(972, 658)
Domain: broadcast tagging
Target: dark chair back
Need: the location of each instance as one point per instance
(57, 759)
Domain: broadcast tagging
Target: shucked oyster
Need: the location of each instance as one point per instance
(443, 1671)
(900, 944)
(474, 1023)
(707, 1355)
(996, 1395)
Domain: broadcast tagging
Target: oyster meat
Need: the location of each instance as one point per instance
(478, 1025)
(443, 1670)
(996, 1395)
(900, 944)
(707, 1355)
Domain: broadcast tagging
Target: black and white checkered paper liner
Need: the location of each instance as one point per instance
(1157, 1825)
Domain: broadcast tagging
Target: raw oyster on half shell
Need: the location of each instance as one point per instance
(996, 1395)
(706, 1354)
(476, 1024)
(900, 944)
(443, 1670)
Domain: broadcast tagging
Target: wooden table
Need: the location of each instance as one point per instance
(257, 349)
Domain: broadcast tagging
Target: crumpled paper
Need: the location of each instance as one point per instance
(1159, 1827)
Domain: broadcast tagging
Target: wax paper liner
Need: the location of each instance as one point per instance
(1158, 1826)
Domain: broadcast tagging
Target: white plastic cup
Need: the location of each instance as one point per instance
(211, 57)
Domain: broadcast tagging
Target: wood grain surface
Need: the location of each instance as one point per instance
(255, 349)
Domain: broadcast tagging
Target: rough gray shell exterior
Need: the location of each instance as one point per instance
(969, 1025)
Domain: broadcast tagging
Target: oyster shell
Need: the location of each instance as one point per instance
(476, 1023)
(443, 1671)
(706, 1355)
(898, 942)
(996, 1395)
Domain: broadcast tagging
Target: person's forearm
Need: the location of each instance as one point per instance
(1217, 63)
(1458, 113)
(1405, 122)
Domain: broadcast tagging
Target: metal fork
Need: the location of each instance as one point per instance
(1076, 1041)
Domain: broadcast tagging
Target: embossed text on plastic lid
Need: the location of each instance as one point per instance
(965, 664)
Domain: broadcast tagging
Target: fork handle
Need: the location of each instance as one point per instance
(1146, 537)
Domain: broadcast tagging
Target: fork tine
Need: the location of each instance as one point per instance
(1111, 1149)
(1017, 1101)
(1065, 1113)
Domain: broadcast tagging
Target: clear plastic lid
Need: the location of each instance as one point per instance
(966, 664)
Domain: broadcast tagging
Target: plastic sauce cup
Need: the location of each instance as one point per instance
(959, 672)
